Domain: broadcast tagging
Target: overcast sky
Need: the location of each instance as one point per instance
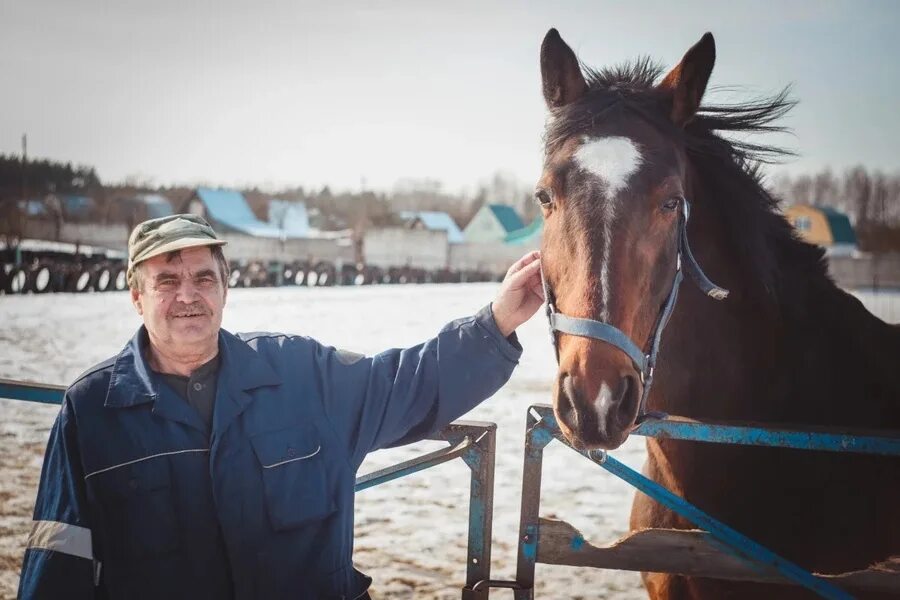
(284, 92)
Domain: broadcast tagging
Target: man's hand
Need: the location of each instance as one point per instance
(520, 295)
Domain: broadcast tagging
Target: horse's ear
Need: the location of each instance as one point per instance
(561, 75)
(687, 82)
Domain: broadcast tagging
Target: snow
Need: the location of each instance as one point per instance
(410, 533)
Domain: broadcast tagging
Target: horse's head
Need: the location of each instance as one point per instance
(612, 193)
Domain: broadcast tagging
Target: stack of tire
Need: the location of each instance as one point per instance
(49, 276)
(313, 275)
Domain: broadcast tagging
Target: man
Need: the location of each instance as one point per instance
(200, 464)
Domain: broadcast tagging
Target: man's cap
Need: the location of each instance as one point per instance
(168, 234)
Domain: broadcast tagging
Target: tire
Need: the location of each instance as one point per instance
(40, 279)
(234, 277)
(287, 276)
(301, 271)
(80, 280)
(325, 274)
(120, 281)
(16, 281)
(103, 279)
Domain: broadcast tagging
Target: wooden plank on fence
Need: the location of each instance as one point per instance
(685, 552)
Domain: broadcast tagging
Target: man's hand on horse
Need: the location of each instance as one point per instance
(520, 295)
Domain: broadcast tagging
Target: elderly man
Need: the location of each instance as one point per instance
(201, 464)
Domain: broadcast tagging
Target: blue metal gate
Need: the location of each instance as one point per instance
(760, 564)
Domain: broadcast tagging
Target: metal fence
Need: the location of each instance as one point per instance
(716, 550)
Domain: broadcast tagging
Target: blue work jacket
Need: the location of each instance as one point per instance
(138, 500)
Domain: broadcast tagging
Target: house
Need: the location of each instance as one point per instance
(228, 212)
(153, 206)
(135, 208)
(823, 226)
(76, 207)
(492, 223)
(433, 221)
(290, 217)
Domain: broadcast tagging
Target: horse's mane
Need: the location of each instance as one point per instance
(729, 168)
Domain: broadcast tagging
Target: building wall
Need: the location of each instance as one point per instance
(113, 236)
(399, 247)
(493, 257)
(484, 227)
(246, 247)
(810, 223)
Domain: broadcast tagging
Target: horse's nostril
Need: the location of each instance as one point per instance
(627, 405)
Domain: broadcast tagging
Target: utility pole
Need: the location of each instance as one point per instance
(24, 166)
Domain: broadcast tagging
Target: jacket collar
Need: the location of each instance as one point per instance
(133, 382)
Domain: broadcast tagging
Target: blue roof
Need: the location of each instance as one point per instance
(436, 221)
(76, 206)
(289, 217)
(507, 216)
(33, 207)
(230, 208)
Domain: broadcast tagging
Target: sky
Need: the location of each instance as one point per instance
(358, 95)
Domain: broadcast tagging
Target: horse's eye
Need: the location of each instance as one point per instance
(543, 197)
(671, 203)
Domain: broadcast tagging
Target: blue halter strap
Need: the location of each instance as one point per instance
(644, 362)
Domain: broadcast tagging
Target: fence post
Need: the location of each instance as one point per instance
(480, 458)
(536, 438)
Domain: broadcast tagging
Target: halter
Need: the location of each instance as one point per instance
(644, 363)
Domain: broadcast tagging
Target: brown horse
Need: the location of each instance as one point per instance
(625, 152)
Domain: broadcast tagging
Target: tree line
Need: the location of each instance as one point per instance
(357, 210)
(871, 198)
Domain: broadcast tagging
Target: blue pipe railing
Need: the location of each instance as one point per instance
(683, 429)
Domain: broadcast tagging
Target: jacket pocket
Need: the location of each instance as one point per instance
(294, 481)
(140, 508)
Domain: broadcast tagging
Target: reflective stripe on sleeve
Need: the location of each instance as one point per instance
(61, 537)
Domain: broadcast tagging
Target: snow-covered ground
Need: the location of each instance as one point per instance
(410, 533)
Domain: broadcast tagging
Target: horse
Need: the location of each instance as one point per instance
(629, 155)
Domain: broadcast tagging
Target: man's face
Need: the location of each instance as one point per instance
(181, 300)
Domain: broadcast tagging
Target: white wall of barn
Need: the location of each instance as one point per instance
(399, 247)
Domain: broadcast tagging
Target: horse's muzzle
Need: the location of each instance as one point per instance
(601, 419)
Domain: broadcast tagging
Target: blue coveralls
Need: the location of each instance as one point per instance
(138, 500)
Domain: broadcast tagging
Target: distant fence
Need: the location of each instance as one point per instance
(874, 271)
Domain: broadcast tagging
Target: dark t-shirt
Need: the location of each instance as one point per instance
(198, 390)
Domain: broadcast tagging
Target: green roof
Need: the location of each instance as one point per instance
(839, 223)
(507, 216)
(526, 234)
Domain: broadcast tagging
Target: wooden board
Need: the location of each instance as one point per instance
(685, 552)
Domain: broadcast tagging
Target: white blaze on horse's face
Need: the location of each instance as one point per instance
(613, 160)
(604, 401)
